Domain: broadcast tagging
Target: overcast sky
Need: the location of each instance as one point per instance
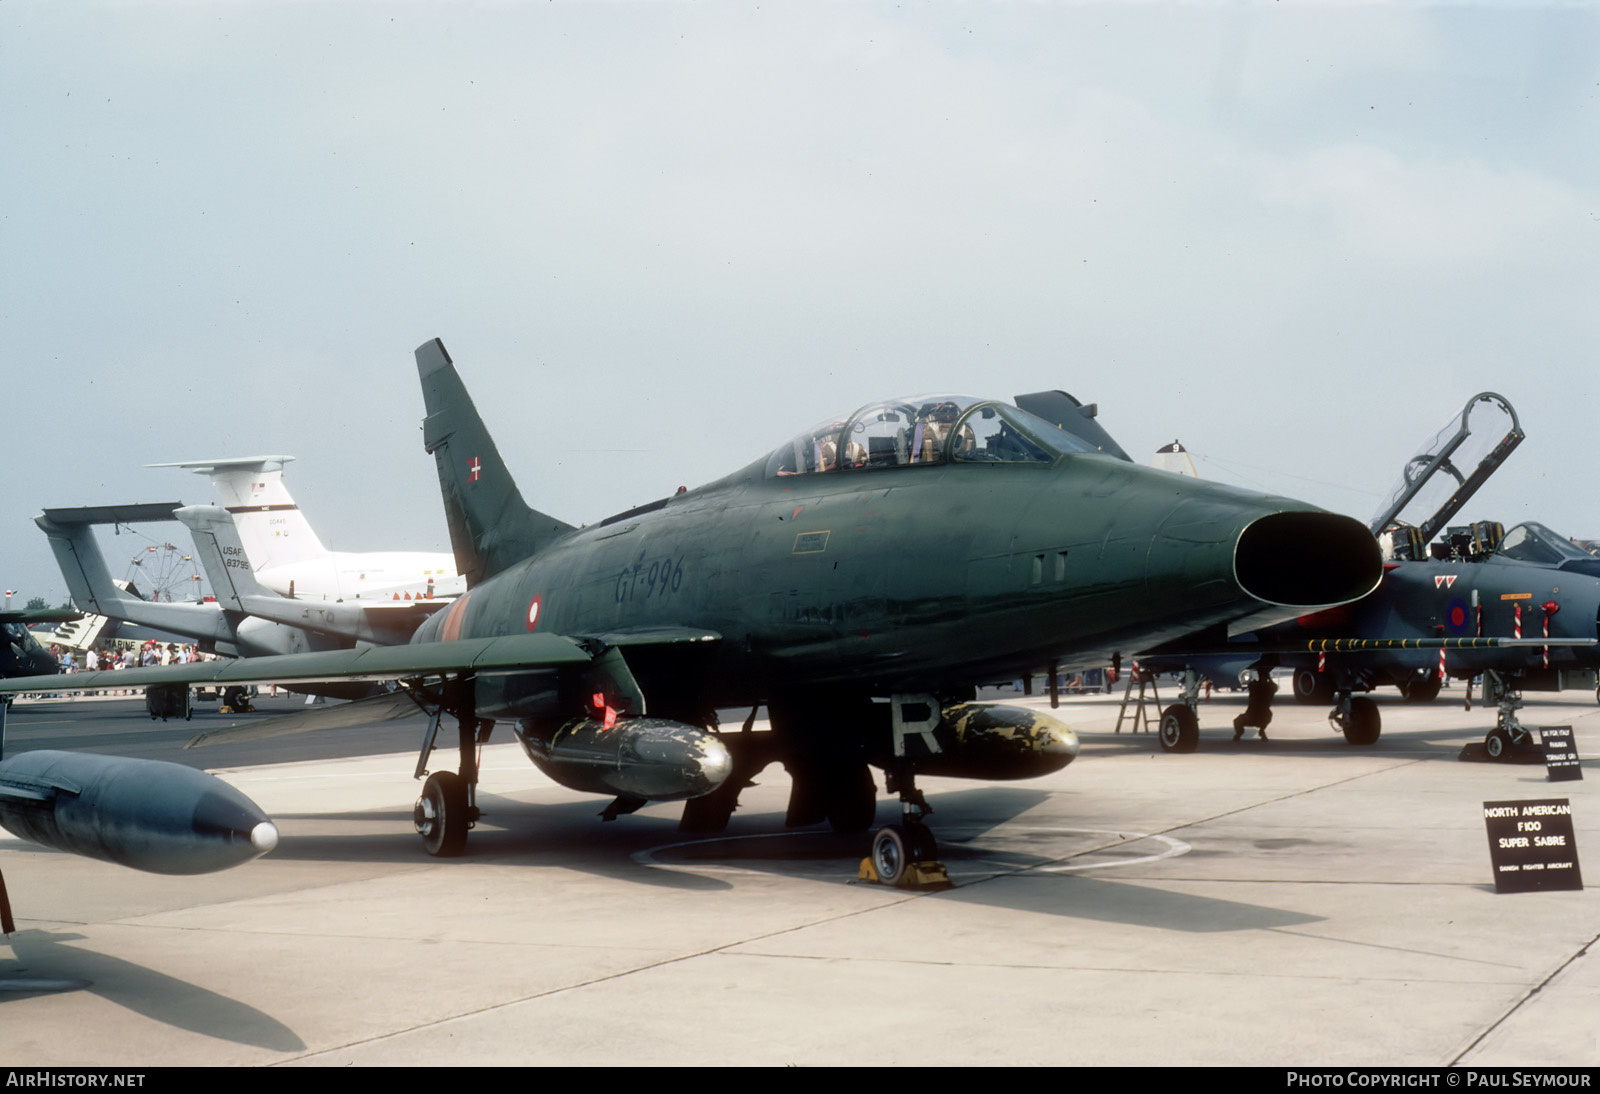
(659, 239)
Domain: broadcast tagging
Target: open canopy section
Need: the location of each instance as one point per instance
(1437, 481)
(923, 431)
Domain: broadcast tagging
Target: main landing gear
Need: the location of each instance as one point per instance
(1356, 717)
(448, 808)
(906, 855)
(1180, 723)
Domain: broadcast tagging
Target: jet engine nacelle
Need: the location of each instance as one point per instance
(988, 741)
(150, 815)
(656, 759)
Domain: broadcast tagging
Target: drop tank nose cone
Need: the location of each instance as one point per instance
(264, 837)
(146, 814)
(716, 764)
(656, 759)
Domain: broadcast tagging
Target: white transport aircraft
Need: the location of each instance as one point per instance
(289, 559)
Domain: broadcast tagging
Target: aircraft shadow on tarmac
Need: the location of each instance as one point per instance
(46, 956)
(649, 850)
(1135, 905)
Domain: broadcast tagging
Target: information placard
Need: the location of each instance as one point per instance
(1560, 754)
(1531, 845)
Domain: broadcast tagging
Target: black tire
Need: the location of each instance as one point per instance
(1419, 688)
(1364, 724)
(1311, 686)
(1498, 744)
(440, 815)
(891, 856)
(1180, 729)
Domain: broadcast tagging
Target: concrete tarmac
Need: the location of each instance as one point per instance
(1295, 901)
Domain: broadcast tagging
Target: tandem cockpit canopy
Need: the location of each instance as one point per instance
(924, 431)
(1534, 542)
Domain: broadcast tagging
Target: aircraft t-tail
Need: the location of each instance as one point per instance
(908, 551)
(289, 559)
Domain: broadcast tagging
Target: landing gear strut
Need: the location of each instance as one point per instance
(1508, 734)
(905, 855)
(1180, 722)
(448, 807)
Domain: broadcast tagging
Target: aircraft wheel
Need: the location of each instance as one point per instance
(1311, 686)
(440, 815)
(1498, 744)
(1180, 729)
(1420, 688)
(891, 856)
(1364, 723)
(895, 847)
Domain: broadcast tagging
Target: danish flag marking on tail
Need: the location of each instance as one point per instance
(474, 469)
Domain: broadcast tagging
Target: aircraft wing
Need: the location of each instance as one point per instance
(483, 656)
(654, 636)
(39, 615)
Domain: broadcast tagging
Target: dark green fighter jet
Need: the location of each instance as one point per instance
(860, 581)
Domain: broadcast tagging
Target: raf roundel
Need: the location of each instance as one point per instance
(533, 613)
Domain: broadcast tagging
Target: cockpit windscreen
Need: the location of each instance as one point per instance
(925, 431)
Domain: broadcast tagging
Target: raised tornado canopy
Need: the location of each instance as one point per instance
(1307, 559)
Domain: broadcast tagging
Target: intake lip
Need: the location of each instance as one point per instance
(1307, 559)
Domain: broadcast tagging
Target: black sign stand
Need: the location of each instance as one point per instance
(1531, 845)
(1560, 754)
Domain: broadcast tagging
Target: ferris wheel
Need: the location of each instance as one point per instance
(163, 571)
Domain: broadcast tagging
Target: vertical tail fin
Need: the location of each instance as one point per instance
(271, 526)
(222, 555)
(491, 527)
(82, 565)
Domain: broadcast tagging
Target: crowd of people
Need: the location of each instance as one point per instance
(126, 655)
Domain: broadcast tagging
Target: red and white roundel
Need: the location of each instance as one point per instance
(533, 613)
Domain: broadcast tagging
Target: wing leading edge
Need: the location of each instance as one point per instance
(480, 656)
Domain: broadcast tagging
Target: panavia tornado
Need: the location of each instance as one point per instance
(860, 581)
(1519, 608)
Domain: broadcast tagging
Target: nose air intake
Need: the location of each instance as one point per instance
(1307, 559)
